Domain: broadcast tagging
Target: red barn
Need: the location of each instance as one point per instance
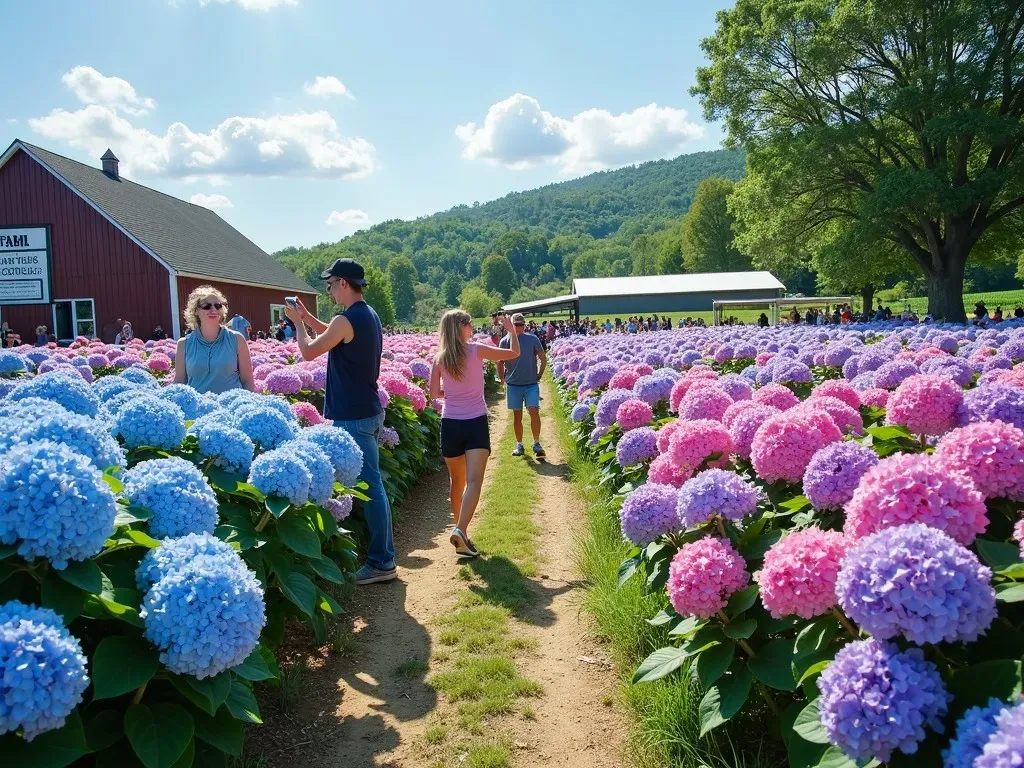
(81, 247)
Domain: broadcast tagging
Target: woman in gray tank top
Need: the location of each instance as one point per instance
(212, 358)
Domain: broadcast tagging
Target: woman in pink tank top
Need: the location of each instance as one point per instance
(458, 376)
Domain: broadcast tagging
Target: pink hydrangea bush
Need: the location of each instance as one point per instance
(925, 404)
(798, 577)
(991, 453)
(914, 488)
(703, 576)
(784, 445)
(695, 443)
(633, 414)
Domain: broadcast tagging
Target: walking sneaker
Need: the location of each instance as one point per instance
(538, 451)
(463, 546)
(518, 450)
(367, 574)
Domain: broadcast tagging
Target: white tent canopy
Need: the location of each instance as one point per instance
(774, 305)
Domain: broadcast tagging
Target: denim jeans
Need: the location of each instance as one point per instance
(381, 551)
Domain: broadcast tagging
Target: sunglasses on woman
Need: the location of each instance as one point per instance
(214, 305)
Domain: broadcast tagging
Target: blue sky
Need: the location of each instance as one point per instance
(301, 120)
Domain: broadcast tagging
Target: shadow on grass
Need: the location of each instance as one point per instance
(505, 585)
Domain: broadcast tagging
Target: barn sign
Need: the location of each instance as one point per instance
(25, 262)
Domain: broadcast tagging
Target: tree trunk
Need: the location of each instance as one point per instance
(867, 294)
(946, 289)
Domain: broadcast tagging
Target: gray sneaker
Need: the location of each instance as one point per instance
(367, 574)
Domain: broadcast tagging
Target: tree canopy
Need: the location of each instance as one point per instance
(868, 122)
(708, 231)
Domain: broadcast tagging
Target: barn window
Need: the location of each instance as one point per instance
(73, 318)
(276, 314)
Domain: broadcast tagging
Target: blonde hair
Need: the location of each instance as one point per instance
(451, 347)
(196, 297)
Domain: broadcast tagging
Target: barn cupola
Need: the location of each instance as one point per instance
(110, 161)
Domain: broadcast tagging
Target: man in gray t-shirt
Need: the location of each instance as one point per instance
(521, 377)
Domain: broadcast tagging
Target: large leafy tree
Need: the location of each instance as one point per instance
(644, 255)
(402, 274)
(708, 231)
(498, 275)
(378, 295)
(893, 120)
(452, 287)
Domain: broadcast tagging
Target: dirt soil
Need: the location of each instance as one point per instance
(358, 709)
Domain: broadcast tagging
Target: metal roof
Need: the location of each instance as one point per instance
(192, 239)
(556, 301)
(706, 282)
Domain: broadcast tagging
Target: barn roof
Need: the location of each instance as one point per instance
(705, 282)
(193, 240)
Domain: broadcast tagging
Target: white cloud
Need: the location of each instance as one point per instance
(349, 220)
(306, 144)
(327, 86)
(211, 201)
(518, 134)
(92, 87)
(252, 5)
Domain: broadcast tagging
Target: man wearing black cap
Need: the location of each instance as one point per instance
(353, 342)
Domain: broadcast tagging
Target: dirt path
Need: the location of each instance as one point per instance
(370, 706)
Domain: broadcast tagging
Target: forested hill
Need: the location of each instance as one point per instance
(621, 222)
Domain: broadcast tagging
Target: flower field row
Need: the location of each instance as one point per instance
(155, 542)
(834, 521)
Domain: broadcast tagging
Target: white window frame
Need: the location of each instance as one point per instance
(276, 313)
(74, 318)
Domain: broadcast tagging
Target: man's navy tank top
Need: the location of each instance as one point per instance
(353, 368)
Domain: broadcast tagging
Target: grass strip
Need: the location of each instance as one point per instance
(666, 726)
(479, 678)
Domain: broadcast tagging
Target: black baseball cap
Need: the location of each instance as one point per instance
(349, 270)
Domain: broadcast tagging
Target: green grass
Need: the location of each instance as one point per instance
(411, 669)
(480, 679)
(665, 728)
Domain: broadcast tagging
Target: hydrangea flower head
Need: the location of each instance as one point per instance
(341, 448)
(972, 733)
(307, 414)
(608, 406)
(139, 375)
(205, 615)
(281, 473)
(799, 573)
(914, 488)
(183, 396)
(174, 554)
(11, 363)
(993, 402)
(148, 420)
(80, 433)
(177, 494)
(321, 471)
(715, 492)
(633, 414)
(264, 425)
(707, 402)
(876, 397)
(694, 443)
(636, 446)
(893, 373)
(1005, 746)
(54, 502)
(876, 699)
(926, 404)
(918, 582)
(663, 470)
(839, 389)
(775, 395)
(42, 670)
(389, 437)
(785, 444)
(231, 448)
(846, 418)
(834, 473)
(68, 390)
(340, 508)
(990, 453)
(580, 412)
(703, 575)
(648, 512)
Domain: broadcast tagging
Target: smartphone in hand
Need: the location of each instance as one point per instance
(292, 301)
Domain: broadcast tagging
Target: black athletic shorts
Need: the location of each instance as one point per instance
(461, 435)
